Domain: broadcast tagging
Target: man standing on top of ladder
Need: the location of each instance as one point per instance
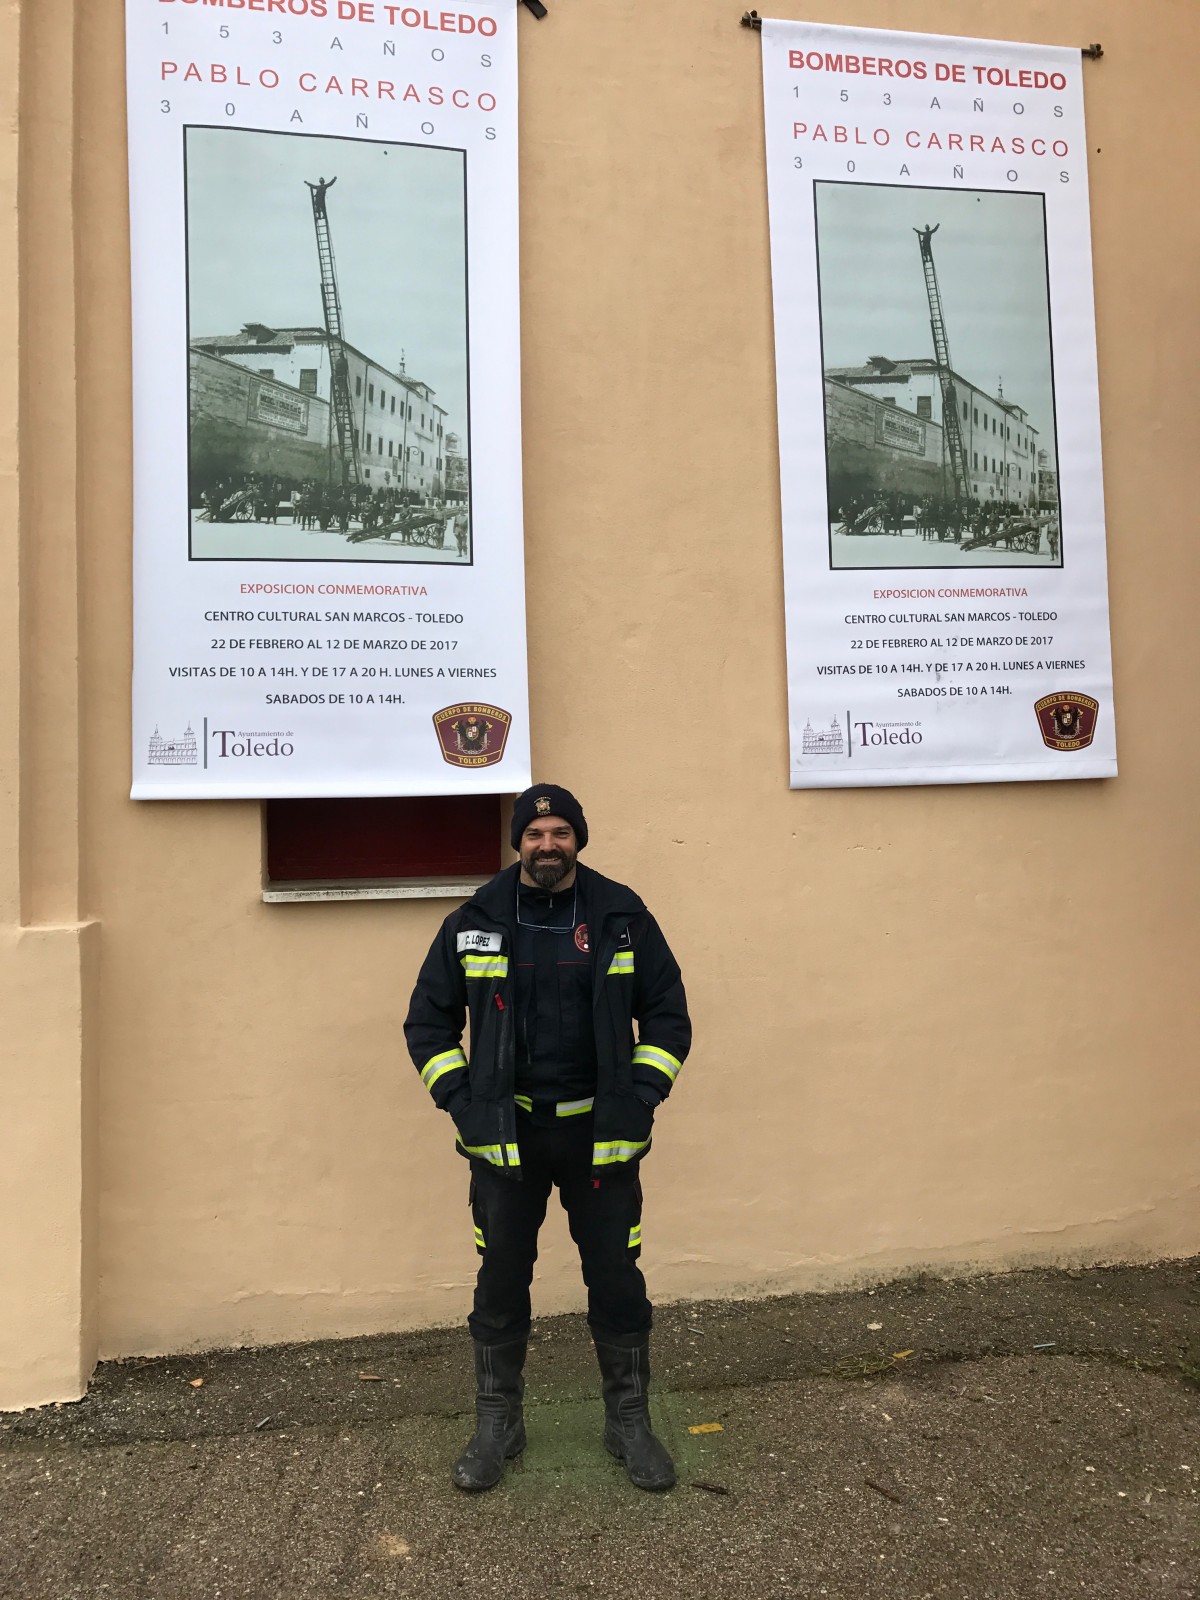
(319, 189)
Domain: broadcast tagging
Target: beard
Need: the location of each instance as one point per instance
(548, 868)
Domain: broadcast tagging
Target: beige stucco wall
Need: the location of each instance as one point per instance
(949, 1026)
(49, 1210)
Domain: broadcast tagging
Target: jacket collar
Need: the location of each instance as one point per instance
(604, 897)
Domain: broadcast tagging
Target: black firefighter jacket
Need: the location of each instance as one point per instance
(467, 975)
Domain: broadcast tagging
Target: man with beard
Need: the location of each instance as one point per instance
(553, 964)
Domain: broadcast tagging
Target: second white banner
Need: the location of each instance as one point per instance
(943, 519)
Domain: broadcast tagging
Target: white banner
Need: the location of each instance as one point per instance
(939, 428)
(329, 588)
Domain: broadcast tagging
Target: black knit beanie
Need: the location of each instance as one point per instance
(548, 800)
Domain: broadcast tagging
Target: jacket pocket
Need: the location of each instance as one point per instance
(637, 1118)
(478, 1127)
(633, 1121)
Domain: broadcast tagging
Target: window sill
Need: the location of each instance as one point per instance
(374, 889)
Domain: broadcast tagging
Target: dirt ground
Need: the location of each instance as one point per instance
(1031, 1434)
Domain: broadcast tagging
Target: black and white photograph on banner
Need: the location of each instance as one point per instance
(327, 349)
(940, 442)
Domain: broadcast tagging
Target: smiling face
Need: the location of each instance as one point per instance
(548, 852)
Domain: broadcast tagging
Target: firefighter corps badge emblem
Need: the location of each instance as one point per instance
(472, 736)
(542, 805)
(1067, 721)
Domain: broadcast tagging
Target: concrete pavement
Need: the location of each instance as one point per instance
(1033, 1434)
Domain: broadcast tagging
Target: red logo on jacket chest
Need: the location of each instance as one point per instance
(581, 938)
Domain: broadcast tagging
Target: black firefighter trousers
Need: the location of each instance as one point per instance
(604, 1216)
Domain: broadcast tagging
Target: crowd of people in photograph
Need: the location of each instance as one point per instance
(356, 511)
(970, 524)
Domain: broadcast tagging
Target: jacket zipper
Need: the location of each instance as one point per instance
(504, 1024)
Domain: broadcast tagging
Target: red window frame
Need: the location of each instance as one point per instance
(367, 840)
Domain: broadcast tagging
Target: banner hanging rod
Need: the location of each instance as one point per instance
(751, 19)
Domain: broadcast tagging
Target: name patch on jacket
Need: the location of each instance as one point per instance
(478, 940)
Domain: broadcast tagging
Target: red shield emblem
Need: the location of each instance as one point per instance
(472, 735)
(1067, 721)
(581, 938)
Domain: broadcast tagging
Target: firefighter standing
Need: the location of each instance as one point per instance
(552, 963)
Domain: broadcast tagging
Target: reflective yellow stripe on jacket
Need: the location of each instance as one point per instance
(622, 962)
(493, 1153)
(574, 1108)
(610, 1151)
(652, 1055)
(563, 1108)
(437, 1066)
(476, 966)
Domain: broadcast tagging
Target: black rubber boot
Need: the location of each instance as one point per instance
(500, 1427)
(627, 1431)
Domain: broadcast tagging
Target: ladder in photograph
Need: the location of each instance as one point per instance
(951, 432)
(340, 367)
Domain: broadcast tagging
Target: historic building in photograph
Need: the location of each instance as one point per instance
(1047, 482)
(457, 478)
(400, 426)
(874, 445)
(867, 452)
